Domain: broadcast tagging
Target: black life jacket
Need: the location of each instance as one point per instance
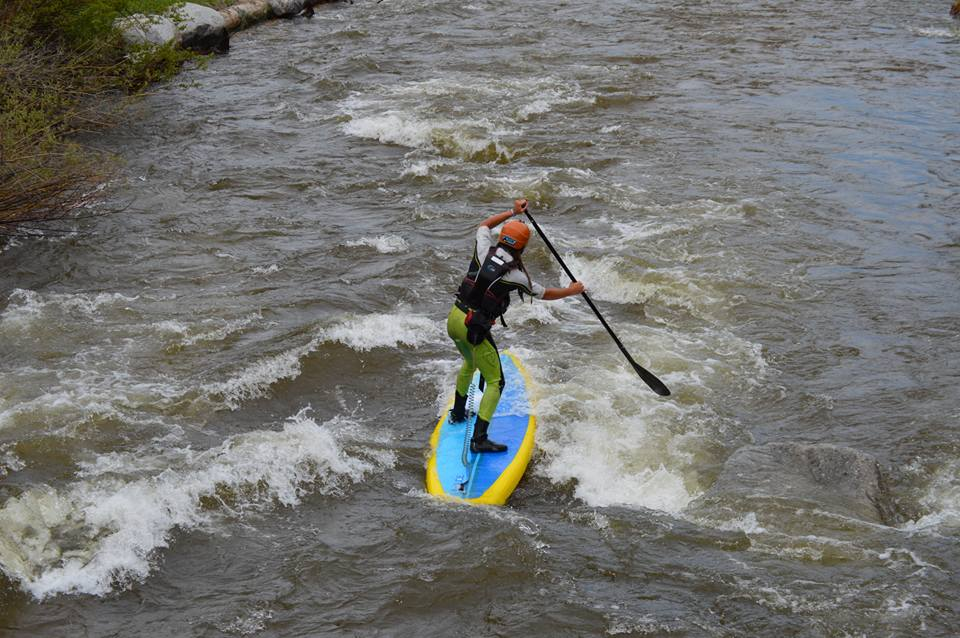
(483, 290)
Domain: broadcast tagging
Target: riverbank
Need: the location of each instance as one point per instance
(202, 29)
(67, 68)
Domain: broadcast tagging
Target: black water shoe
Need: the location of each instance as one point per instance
(459, 411)
(486, 445)
(480, 442)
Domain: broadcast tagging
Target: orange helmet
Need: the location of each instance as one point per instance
(514, 234)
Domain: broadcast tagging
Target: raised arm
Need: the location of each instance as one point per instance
(519, 208)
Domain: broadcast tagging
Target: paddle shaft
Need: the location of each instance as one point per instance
(648, 377)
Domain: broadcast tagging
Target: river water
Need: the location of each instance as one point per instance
(216, 401)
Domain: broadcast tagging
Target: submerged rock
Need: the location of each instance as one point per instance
(140, 29)
(827, 478)
(201, 28)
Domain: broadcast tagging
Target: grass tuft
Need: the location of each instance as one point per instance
(65, 71)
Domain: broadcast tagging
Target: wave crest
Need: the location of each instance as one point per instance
(100, 533)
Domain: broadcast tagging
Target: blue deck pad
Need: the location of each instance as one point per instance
(508, 426)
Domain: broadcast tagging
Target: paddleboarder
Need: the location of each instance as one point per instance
(496, 269)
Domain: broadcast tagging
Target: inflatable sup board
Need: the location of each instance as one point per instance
(453, 471)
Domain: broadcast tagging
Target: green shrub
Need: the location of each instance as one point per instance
(47, 94)
(64, 70)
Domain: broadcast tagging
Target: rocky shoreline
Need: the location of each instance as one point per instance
(203, 29)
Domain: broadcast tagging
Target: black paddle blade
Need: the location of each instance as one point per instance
(651, 380)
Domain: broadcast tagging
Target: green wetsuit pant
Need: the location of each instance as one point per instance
(483, 356)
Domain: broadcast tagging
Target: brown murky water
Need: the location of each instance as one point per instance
(215, 406)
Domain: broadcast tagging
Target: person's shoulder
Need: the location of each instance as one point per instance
(484, 238)
(518, 278)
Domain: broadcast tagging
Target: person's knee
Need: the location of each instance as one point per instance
(492, 375)
(496, 380)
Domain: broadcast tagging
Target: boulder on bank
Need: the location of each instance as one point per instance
(140, 29)
(828, 478)
(201, 28)
(286, 8)
(193, 26)
(240, 15)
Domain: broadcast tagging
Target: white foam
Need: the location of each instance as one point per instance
(710, 209)
(365, 332)
(593, 518)
(942, 501)
(617, 442)
(622, 196)
(617, 454)
(659, 488)
(171, 326)
(206, 330)
(440, 373)
(573, 183)
(747, 523)
(902, 605)
(418, 114)
(254, 381)
(10, 244)
(629, 235)
(699, 355)
(936, 32)
(9, 461)
(533, 182)
(225, 328)
(78, 400)
(361, 333)
(267, 270)
(466, 139)
(394, 128)
(535, 107)
(249, 623)
(891, 553)
(414, 167)
(69, 396)
(791, 602)
(610, 279)
(96, 534)
(643, 625)
(534, 312)
(26, 306)
(385, 244)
